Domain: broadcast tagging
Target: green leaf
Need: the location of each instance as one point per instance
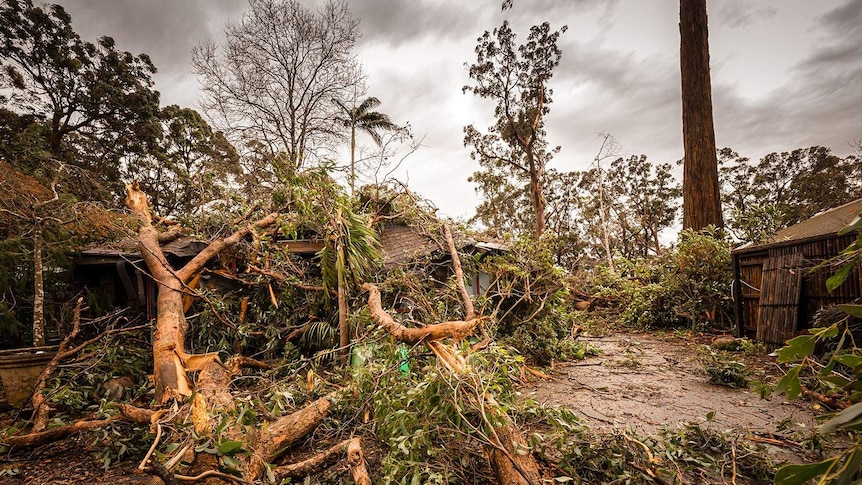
(856, 224)
(843, 418)
(710, 415)
(799, 474)
(836, 380)
(849, 360)
(789, 384)
(852, 310)
(797, 348)
(229, 447)
(835, 280)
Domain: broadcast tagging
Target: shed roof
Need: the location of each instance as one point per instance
(823, 224)
(403, 244)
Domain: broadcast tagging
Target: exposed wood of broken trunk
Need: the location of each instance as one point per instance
(270, 441)
(506, 455)
(170, 361)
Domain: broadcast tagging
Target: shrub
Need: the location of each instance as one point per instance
(688, 284)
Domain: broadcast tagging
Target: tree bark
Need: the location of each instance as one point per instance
(536, 190)
(355, 461)
(343, 327)
(39, 290)
(456, 329)
(170, 361)
(701, 197)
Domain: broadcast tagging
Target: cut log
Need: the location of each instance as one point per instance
(274, 438)
(356, 463)
(351, 448)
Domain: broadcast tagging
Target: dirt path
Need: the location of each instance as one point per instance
(644, 382)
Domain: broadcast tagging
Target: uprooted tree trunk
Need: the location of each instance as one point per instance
(170, 361)
(511, 465)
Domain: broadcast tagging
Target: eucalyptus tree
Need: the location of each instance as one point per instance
(274, 79)
(370, 122)
(516, 78)
(701, 194)
(191, 166)
(784, 188)
(95, 102)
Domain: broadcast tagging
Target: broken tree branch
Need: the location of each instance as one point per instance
(457, 330)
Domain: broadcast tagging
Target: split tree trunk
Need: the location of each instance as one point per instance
(170, 361)
(39, 290)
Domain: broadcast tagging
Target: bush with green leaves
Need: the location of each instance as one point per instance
(529, 297)
(688, 284)
(430, 419)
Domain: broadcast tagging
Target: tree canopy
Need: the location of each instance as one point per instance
(515, 78)
(92, 102)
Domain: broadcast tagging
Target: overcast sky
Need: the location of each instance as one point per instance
(785, 73)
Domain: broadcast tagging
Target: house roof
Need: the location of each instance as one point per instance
(126, 248)
(403, 244)
(823, 224)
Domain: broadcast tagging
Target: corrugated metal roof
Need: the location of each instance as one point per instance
(825, 223)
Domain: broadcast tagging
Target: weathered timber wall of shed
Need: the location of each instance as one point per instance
(753, 287)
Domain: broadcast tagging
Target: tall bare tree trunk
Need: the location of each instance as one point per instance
(536, 190)
(701, 199)
(352, 155)
(39, 290)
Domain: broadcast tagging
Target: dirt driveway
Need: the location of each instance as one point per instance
(644, 382)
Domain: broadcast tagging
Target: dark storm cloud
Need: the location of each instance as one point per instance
(166, 30)
(602, 90)
(400, 22)
(741, 13)
(818, 105)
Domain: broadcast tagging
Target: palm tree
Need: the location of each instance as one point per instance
(364, 119)
(350, 251)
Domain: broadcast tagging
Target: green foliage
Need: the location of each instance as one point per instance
(514, 152)
(190, 169)
(81, 387)
(95, 102)
(688, 284)
(430, 419)
(838, 377)
(725, 371)
(782, 189)
(531, 300)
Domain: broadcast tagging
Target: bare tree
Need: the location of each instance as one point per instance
(276, 76)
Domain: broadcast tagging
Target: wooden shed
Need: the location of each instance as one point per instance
(776, 290)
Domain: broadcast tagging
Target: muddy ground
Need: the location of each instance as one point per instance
(644, 382)
(639, 382)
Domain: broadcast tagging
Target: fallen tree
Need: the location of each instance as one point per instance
(508, 455)
(170, 361)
